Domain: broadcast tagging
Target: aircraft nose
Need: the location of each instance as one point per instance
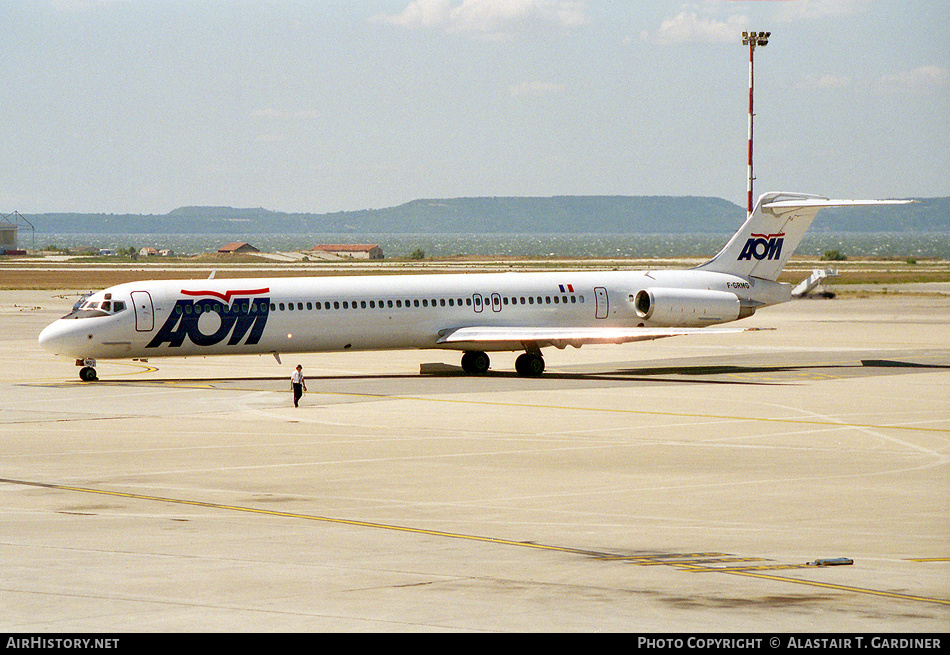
(55, 337)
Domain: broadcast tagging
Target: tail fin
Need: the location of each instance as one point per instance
(770, 235)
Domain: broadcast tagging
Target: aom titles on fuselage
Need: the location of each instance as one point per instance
(473, 313)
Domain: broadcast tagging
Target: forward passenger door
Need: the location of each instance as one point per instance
(144, 313)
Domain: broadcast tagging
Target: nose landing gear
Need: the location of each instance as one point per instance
(88, 371)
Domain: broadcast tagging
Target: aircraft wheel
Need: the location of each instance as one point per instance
(529, 365)
(88, 374)
(475, 362)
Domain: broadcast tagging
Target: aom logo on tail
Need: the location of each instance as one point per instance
(763, 246)
(238, 318)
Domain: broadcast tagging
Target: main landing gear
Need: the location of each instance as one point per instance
(475, 362)
(529, 364)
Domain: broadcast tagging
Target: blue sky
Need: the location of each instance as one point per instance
(147, 105)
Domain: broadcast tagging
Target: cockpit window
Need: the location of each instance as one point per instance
(95, 308)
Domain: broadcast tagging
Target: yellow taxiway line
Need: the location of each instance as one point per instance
(682, 562)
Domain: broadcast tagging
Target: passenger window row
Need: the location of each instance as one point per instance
(425, 302)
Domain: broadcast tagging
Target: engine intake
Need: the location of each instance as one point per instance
(687, 307)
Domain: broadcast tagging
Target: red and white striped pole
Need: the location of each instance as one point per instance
(752, 39)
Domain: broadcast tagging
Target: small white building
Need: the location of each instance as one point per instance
(352, 250)
(8, 234)
(9, 225)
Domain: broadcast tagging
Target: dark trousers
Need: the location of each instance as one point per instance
(298, 392)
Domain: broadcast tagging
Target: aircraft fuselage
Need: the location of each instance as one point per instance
(326, 314)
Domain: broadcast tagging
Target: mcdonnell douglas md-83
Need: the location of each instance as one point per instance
(472, 313)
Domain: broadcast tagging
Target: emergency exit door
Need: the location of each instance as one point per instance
(602, 305)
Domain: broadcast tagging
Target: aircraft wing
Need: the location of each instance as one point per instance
(518, 337)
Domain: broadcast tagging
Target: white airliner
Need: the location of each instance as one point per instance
(473, 313)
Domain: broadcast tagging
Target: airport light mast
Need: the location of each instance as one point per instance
(752, 39)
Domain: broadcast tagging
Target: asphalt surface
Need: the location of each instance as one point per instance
(688, 484)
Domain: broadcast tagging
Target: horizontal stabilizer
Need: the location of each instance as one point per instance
(825, 202)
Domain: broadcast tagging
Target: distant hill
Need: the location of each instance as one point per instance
(504, 215)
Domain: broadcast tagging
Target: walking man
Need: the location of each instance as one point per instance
(297, 384)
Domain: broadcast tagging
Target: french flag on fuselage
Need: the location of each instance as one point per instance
(566, 288)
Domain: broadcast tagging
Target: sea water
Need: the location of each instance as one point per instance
(650, 246)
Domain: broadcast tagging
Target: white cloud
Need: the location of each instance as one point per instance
(486, 18)
(79, 6)
(690, 27)
(811, 9)
(701, 22)
(827, 81)
(419, 14)
(535, 89)
(925, 79)
(919, 81)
